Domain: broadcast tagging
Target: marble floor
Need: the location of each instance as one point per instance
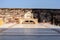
(40, 25)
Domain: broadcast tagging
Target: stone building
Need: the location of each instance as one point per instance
(49, 15)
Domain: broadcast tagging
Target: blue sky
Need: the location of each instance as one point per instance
(30, 4)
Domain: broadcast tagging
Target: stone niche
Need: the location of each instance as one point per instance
(17, 15)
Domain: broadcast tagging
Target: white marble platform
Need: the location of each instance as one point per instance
(40, 25)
